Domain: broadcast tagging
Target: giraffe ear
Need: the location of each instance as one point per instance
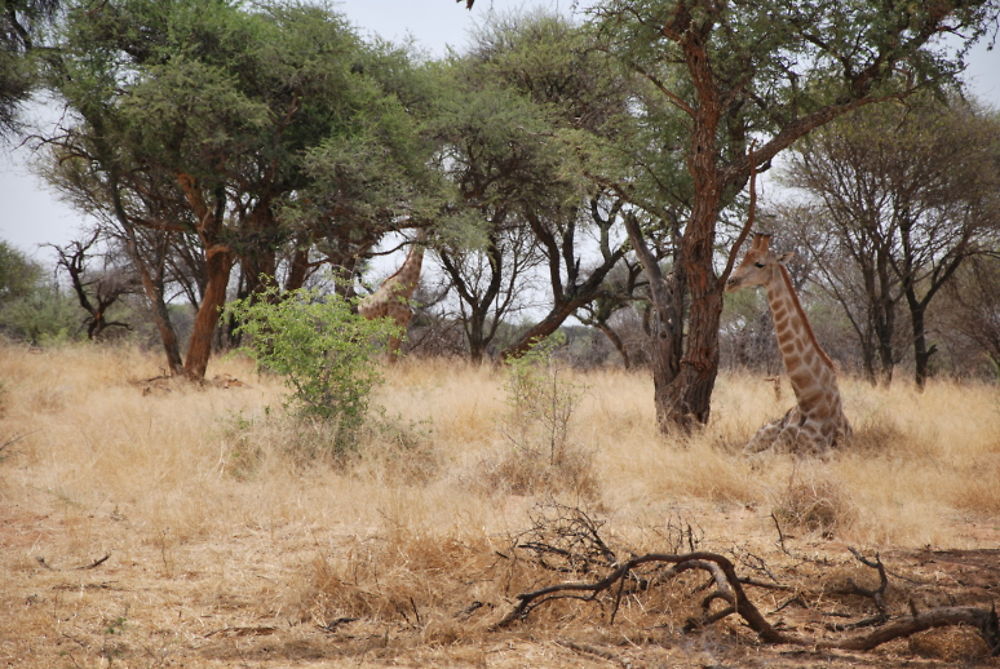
(786, 257)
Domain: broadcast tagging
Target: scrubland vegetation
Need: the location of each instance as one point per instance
(149, 521)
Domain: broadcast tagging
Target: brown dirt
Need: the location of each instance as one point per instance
(217, 602)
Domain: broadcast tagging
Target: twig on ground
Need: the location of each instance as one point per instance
(13, 440)
(96, 563)
(334, 624)
(878, 594)
(243, 631)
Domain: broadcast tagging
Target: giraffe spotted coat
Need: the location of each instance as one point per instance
(816, 423)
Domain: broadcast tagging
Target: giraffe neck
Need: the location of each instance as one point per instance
(805, 361)
(404, 282)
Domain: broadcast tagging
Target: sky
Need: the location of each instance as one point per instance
(31, 215)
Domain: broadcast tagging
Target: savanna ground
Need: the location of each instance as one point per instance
(154, 523)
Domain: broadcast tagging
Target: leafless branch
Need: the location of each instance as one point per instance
(726, 586)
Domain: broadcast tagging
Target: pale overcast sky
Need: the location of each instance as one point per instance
(32, 215)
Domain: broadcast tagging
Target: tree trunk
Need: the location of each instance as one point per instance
(298, 269)
(686, 398)
(885, 315)
(475, 335)
(867, 346)
(921, 353)
(543, 328)
(617, 342)
(259, 263)
(666, 323)
(218, 263)
(886, 355)
(153, 288)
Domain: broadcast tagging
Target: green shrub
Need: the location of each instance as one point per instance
(540, 400)
(42, 316)
(325, 352)
(543, 457)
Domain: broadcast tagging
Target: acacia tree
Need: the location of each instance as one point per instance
(910, 194)
(733, 73)
(199, 119)
(974, 303)
(489, 281)
(493, 150)
(576, 94)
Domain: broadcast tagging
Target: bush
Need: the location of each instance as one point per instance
(42, 316)
(32, 309)
(19, 274)
(325, 352)
(541, 403)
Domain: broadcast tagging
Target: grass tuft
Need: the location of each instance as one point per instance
(815, 503)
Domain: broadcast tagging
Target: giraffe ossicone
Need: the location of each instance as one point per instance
(816, 423)
(392, 299)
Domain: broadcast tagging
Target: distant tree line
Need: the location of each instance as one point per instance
(594, 170)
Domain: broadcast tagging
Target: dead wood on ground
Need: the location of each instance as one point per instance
(572, 536)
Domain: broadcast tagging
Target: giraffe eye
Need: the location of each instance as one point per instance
(759, 264)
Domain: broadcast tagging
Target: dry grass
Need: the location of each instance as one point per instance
(231, 541)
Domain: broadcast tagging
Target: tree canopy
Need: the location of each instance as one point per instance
(246, 132)
(230, 148)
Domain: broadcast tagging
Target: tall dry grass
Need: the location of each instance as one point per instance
(211, 486)
(94, 434)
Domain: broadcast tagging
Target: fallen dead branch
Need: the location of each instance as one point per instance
(566, 539)
(11, 441)
(261, 630)
(729, 589)
(985, 622)
(334, 624)
(96, 563)
(725, 596)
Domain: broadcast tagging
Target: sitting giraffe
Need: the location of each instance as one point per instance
(817, 422)
(392, 299)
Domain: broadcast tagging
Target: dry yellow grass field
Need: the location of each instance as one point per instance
(229, 542)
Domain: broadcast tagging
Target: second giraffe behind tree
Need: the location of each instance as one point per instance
(817, 422)
(392, 299)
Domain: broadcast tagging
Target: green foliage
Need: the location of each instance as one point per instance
(325, 352)
(18, 273)
(42, 316)
(279, 104)
(22, 24)
(540, 400)
(31, 309)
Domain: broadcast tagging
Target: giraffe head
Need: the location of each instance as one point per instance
(760, 265)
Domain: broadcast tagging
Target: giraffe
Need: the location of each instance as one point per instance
(392, 299)
(817, 422)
